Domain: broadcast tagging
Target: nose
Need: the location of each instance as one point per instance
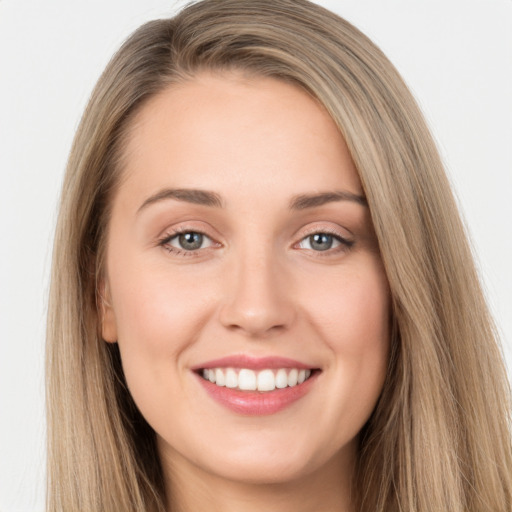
(258, 300)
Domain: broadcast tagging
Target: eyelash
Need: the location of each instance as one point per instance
(345, 244)
(164, 242)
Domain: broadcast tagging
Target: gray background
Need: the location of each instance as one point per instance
(456, 55)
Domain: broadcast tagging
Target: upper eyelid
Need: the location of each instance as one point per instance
(344, 243)
(164, 242)
(166, 238)
(328, 230)
(177, 233)
(172, 232)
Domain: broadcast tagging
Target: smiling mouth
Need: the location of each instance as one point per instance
(264, 380)
(256, 386)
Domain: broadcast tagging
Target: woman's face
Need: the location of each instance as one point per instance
(241, 250)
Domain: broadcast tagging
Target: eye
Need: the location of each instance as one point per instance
(186, 242)
(322, 241)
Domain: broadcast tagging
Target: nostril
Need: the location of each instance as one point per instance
(262, 321)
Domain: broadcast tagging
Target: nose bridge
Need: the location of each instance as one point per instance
(257, 300)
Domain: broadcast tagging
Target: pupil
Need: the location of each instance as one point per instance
(320, 241)
(191, 241)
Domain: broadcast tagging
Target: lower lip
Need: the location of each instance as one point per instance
(256, 403)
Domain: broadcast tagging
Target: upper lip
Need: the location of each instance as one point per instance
(253, 363)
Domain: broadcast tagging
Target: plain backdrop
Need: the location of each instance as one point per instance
(456, 56)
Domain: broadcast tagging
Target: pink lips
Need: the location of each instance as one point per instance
(253, 363)
(255, 403)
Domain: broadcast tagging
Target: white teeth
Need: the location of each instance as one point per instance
(247, 380)
(266, 381)
(281, 378)
(292, 377)
(220, 380)
(250, 380)
(231, 378)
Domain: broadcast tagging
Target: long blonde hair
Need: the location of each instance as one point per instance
(439, 438)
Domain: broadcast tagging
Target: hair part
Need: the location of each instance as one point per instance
(439, 438)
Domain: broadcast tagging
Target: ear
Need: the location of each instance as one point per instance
(106, 312)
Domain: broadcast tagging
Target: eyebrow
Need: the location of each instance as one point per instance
(304, 201)
(212, 199)
(202, 197)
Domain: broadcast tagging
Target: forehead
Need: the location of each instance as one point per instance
(239, 135)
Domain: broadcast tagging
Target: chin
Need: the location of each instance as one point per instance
(266, 458)
(263, 471)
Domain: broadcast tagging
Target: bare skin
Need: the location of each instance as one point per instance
(324, 490)
(282, 267)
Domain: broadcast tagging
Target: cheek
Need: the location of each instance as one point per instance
(353, 318)
(158, 316)
(154, 308)
(352, 308)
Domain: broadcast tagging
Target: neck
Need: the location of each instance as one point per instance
(191, 488)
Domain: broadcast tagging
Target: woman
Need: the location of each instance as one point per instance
(262, 295)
